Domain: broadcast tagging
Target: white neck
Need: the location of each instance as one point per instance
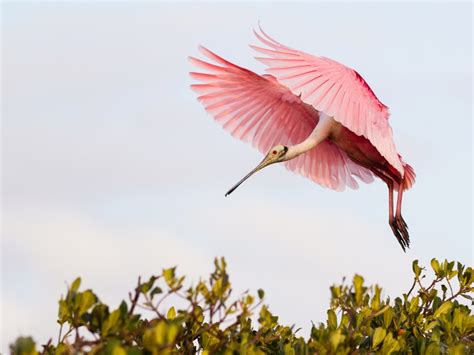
(298, 149)
(319, 134)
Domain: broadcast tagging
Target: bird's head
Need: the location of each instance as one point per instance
(275, 155)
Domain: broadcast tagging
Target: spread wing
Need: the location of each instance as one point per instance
(334, 89)
(258, 109)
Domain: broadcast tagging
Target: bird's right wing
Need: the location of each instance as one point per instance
(258, 109)
(334, 89)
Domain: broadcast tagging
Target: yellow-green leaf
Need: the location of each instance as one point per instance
(169, 275)
(431, 325)
(378, 337)
(332, 319)
(335, 338)
(358, 282)
(171, 313)
(110, 322)
(387, 317)
(444, 308)
(435, 266)
(86, 300)
(118, 350)
(75, 284)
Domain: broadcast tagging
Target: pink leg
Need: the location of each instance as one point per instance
(398, 230)
(392, 220)
(399, 203)
(390, 202)
(401, 224)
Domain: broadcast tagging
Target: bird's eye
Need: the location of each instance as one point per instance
(274, 152)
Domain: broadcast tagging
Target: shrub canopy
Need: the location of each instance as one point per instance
(428, 319)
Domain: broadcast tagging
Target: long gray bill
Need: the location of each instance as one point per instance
(240, 182)
(259, 166)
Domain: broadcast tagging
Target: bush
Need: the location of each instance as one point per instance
(428, 319)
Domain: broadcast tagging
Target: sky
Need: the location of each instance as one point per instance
(111, 169)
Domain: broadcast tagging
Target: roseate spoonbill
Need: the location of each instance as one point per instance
(321, 117)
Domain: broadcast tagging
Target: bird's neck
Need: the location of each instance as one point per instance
(319, 134)
(300, 148)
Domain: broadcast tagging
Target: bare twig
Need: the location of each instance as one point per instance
(135, 297)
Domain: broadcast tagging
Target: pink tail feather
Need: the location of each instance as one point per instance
(409, 177)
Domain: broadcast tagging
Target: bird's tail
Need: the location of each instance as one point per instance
(409, 177)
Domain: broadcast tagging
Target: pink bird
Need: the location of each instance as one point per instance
(321, 118)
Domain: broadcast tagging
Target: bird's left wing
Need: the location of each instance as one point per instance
(259, 109)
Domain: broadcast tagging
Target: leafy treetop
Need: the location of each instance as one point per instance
(428, 319)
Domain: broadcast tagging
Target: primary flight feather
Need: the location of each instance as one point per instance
(321, 118)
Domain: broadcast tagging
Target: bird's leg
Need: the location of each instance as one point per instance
(391, 219)
(398, 214)
(402, 226)
(390, 203)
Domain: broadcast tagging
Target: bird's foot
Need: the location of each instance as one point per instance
(400, 218)
(400, 230)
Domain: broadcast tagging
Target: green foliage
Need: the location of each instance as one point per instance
(206, 319)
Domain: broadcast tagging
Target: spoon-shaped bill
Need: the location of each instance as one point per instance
(260, 166)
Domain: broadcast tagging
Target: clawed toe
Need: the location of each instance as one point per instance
(396, 233)
(400, 230)
(403, 222)
(402, 226)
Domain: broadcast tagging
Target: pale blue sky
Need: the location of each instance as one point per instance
(112, 169)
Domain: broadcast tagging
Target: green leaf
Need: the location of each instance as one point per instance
(416, 269)
(86, 300)
(169, 275)
(110, 322)
(63, 312)
(62, 349)
(156, 290)
(134, 350)
(260, 293)
(332, 319)
(75, 285)
(24, 346)
(387, 318)
(123, 307)
(431, 325)
(390, 345)
(433, 349)
(173, 331)
(459, 349)
(146, 286)
(358, 281)
(452, 274)
(155, 336)
(378, 337)
(435, 266)
(359, 319)
(171, 313)
(444, 308)
(335, 338)
(458, 318)
(414, 305)
(118, 350)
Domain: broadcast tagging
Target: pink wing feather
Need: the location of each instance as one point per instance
(334, 89)
(259, 109)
